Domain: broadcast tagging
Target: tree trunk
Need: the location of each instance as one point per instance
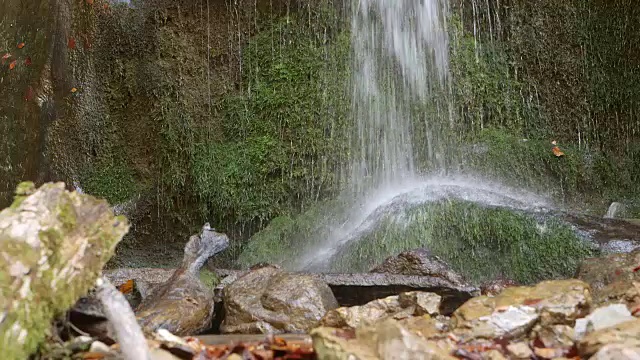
(53, 245)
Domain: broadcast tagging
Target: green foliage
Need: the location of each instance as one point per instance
(485, 90)
(283, 139)
(481, 243)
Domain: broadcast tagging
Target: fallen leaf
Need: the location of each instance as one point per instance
(127, 287)
(12, 65)
(20, 45)
(557, 152)
(635, 269)
(90, 2)
(73, 90)
(71, 43)
(6, 56)
(27, 60)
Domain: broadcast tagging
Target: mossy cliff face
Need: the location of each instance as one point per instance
(529, 73)
(228, 114)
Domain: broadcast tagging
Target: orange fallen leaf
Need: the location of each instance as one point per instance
(557, 152)
(127, 287)
(20, 45)
(12, 65)
(73, 90)
(93, 356)
(90, 2)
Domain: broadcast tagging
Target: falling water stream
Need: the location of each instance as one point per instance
(401, 56)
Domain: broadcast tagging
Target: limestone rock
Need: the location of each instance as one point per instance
(617, 352)
(268, 300)
(184, 305)
(398, 307)
(555, 336)
(422, 263)
(602, 318)
(626, 335)
(519, 351)
(625, 292)
(385, 340)
(517, 309)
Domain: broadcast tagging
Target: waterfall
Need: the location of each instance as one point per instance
(400, 54)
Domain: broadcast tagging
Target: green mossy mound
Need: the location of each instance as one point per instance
(482, 243)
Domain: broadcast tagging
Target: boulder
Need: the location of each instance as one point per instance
(420, 262)
(602, 271)
(625, 335)
(624, 292)
(515, 311)
(397, 307)
(388, 339)
(617, 352)
(602, 318)
(269, 300)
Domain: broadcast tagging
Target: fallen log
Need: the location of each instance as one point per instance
(53, 245)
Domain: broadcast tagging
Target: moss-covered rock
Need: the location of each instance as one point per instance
(480, 242)
(54, 244)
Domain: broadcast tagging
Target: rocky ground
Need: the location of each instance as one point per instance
(593, 316)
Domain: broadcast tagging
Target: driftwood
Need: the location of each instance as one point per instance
(133, 344)
(53, 245)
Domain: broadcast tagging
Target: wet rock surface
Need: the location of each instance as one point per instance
(611, 235)
(420, 262)
(269, 300)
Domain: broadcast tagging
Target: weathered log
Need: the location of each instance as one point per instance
(133, 344)
(53, 245)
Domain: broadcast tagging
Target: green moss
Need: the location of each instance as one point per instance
(480, 243)
(287, 237)
(110, 179)
(285, 138)
(530, 163)
(209, 278)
